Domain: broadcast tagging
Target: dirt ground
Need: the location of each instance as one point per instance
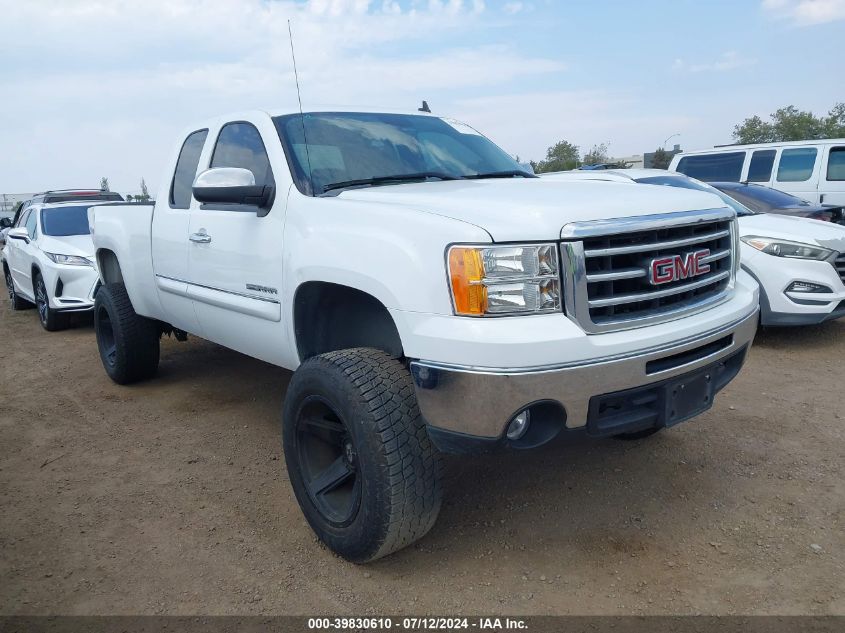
(171, 497)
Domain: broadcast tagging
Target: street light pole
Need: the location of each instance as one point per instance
(667, 140)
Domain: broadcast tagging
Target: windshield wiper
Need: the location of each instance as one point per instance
(502, 174)
(377, 180)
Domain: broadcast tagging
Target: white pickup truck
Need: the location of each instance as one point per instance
(430, 295)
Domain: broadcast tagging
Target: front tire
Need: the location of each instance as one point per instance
(129, 344)
(16, 301)
(50, 319)
(358, 455)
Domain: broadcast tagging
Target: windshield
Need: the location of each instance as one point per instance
(64, 221)
(347, 148)
(689, 183)
(771, 197)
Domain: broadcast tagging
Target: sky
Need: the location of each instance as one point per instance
(96, 88)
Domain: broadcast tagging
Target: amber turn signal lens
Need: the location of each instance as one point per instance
(466, 270)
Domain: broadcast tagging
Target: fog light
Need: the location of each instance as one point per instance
(519, 425)
(806, 286)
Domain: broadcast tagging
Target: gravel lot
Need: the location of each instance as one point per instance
(172, 497)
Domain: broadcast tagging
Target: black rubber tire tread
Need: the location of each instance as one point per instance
(137, 338)
(401, 469)
(55, 320)
(638, 435)
(16, 301)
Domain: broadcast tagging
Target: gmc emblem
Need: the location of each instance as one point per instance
(664, 270)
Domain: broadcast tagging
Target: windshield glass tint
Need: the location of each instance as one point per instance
(63, 221)
(688, 183)
(768, 196)
(358, 146)
(726, 167)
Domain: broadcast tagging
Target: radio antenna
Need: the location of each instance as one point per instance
(301, 115)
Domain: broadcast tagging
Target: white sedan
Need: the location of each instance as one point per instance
(48, 260)
(799, 263)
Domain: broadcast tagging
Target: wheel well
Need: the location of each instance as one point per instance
(329, 317)
(109, 267)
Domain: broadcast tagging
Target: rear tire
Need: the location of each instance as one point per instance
(358, 454)
(50, 319)
(129, 344)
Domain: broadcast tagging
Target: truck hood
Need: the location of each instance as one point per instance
(784, 227)
(81, 245)
(523, 209)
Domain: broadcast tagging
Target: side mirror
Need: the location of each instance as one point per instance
(231, 185)
(19, 233)
(5, 223)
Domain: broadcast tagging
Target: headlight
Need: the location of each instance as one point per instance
(501, 280)
(69, 260)
(784, 248)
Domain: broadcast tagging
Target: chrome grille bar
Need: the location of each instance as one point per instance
(658, 294)
(652, 246)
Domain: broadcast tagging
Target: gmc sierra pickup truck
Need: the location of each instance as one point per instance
(431, 295)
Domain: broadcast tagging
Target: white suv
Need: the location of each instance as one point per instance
(799, 263)
(48, 260)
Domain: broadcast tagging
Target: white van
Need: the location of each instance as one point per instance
(813, 170)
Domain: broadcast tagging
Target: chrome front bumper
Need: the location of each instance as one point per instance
(480, 402)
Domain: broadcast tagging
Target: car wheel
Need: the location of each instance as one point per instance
(51, 320)
(16, 301)
(358, 455)
(129, 344)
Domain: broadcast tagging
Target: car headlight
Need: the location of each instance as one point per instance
(785, 248)
(504, 280)
(69, 260)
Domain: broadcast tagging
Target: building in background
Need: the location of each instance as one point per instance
(634, 161)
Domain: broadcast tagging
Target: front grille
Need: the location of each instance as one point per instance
(840, 267)
(611, 286)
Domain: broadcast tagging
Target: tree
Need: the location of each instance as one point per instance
(792, 124)
(145, 194)
(597, 155)
(129, 197)
(661, 159)
(562, 156)
(104, 184)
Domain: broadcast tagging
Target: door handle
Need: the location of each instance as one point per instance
(821, 199)
(200, 238)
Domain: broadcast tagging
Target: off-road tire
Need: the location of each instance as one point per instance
(50, 319)
(16, 301)
(130, 351)
(399, 469)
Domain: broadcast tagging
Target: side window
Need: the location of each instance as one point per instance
(30, 225)
(726, 167)
(239, 145)
(760, 169)
(186, 170)
(836, 164)
(796, 164)
(22, 218)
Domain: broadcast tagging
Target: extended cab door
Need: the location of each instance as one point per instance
(236, 252)
(170, 231)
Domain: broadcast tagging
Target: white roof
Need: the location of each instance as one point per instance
(730, 148)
